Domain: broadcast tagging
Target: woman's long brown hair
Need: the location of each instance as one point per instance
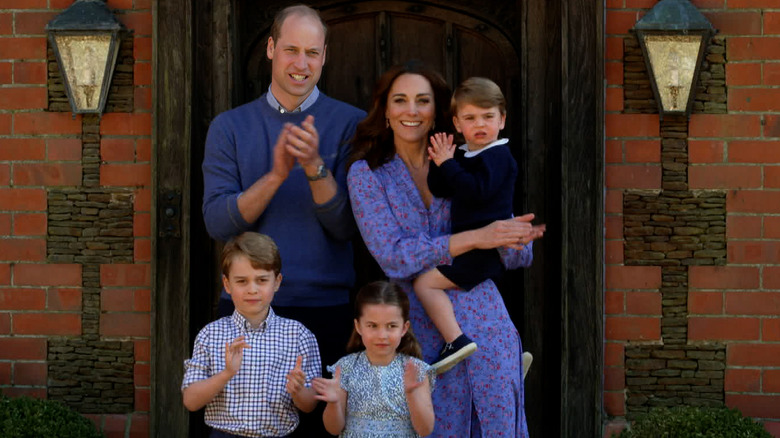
(373, 140)
(384, 292)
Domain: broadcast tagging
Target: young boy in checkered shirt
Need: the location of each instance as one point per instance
(252, 370)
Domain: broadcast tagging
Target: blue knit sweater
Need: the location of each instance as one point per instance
(313, 240)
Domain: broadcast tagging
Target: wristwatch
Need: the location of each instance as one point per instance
(322, 172)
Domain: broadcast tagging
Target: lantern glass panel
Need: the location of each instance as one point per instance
(84, 61)
(673, 61)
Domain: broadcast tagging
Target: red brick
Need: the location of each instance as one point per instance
(735, 4)
(125, 275)
(614, 48)
(140, 22)
(772, 277)
(643, 151)
(742, 380)
(772, 227)
(142, 300)
(31, 274)
(5, 174)
(16, 348)
(724, 177)
(633, 328)
(61, 324)
(5, 274)
(142, 250)
(614, 303)
(117, 300)
(142, 400)
(614, 354)
(753, 303)
(773, 427)
(752, 201)
(772, 177)
(5, 323)
(6, 73)
(5, 373)
(22, 149)
(770, 331)
(30, 73)
(724, 125)
(614, 251)
(30, 224)
(723, 277)
(754, 99)
(735, 23)
(142, 49)
(614, 201)
(30, 373)
(126, 175)
(633, 277)
(772, 74)
(142, 351)
(142, 98)
(47, 174)
(64, 299)
(709, 329)
(614, 73)
(23, 98)
(32, 23)
(142, 374)
(632, 125)
(5, 224)
(120, 4)
(634, 177)
(114, 426)
(771, 381)
(22, 299)
(620, 22)
(751, 354)
(761, 406)
(23, 48)
(613, 151)
(143, 200)
(709, 4)
(117, 149)
(5, 124)
(46, 123)
(24, 4)
(746, 252)
(6, 25)
(126, 124)
(743, 227)
(614, 227)
(752, 48)
(139, 423)
(22, 250)
(615, 403)
(142, 225)
(143, 150)
(142, 73)
(752, 151)
(614, 378)
(743, 74)
(772, 128)
(643, 303)
(125, 324)
(771, 23)
(64, 149)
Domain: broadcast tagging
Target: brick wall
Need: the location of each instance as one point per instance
(75, 226)
(693, 322)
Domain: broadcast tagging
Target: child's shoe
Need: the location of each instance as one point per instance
(454, 352)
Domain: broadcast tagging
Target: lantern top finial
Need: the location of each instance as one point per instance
(85, 15)
(677, 15)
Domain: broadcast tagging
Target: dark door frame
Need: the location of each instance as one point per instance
(563, 127)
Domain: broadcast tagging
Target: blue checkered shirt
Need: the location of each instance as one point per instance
(255, 402)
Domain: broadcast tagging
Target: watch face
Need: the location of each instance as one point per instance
(322, 172)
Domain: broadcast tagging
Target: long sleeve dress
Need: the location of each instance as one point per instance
(483, 395)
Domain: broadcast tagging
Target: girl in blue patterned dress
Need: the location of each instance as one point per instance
(382, 389)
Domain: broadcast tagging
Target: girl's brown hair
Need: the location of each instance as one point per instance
(373, 140)
(384, 292)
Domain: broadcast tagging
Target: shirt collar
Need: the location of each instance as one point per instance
(469, 154)
(243, 325)
(315, 93)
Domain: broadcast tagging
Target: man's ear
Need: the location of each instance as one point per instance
(269, 51)
(324, 52)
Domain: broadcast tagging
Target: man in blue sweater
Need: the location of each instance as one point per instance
(276, 165)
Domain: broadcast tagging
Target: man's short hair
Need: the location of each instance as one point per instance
(299, 10)
(260, 249)
(480, 92)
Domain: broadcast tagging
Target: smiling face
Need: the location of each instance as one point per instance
(381, 327)
(479, 126)
(251, 289)
(410, 110)
(296, 59)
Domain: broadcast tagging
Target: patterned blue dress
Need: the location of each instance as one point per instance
(483, 395)
(376, 402)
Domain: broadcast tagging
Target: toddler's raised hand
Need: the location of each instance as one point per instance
(328, 390)
(296, 378)
(234, 354)
(411, 383)
(441, 148)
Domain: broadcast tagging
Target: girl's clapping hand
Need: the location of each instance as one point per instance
(328, 390)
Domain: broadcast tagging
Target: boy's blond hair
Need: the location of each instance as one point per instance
(260, 249)
(481, 92)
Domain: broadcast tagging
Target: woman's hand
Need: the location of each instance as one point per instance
(511, 233)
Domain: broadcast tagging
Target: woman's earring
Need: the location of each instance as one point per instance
(387, 122)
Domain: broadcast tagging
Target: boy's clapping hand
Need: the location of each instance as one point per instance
(296, 378)
(234, 354)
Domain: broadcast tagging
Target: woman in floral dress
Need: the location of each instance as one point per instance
(407, 231)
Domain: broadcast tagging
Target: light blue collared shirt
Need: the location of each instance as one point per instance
(315, 93)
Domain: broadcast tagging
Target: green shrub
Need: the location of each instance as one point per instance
(25, 417)
(687, 421)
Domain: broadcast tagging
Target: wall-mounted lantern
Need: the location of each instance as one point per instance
(85, 39)
(674, 36)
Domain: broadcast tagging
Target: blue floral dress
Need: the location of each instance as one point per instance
(376, 402)
(483, 395)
